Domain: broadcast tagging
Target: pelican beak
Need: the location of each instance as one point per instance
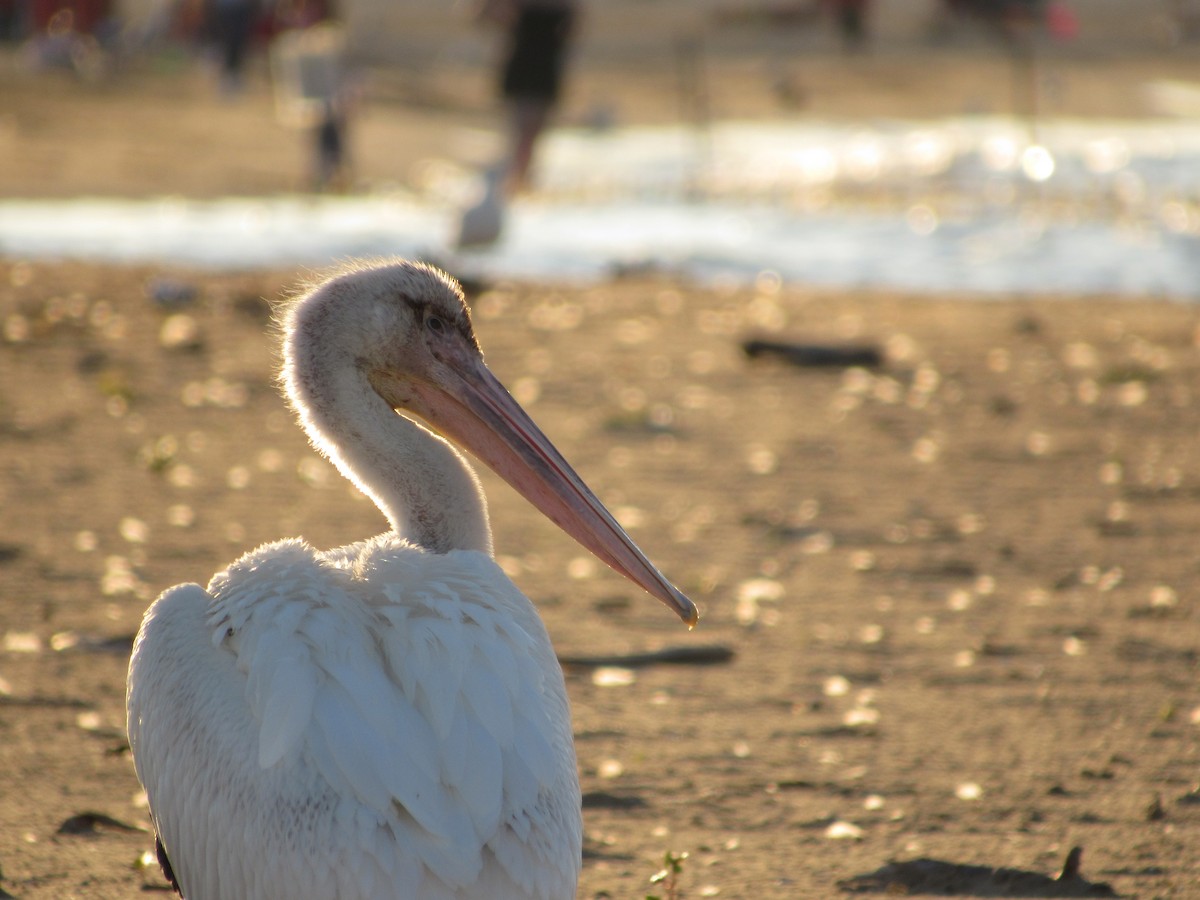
(482, 417)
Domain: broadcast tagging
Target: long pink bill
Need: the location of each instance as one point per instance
(483, 418)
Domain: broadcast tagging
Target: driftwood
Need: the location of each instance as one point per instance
(709, 655)
(815, 355)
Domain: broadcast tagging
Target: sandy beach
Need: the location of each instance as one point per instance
(959, 586)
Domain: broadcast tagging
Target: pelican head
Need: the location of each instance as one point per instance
(400, 332)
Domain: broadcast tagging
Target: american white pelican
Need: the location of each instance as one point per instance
(387, 719)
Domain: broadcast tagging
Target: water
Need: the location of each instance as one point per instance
(240, 233)
(983, 205)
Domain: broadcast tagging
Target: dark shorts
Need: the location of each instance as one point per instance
(537, 54)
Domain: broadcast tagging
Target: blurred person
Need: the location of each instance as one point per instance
(1183, 19)
(1007, 15)
(314, 88)
(288, 14)
(538, 34)
(13, 20)
(1012, 19)
(232, 24)
(72, 34)
(851, 18)
(83, 16)
(331, 161)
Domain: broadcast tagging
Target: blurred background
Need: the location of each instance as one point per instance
(939, 145)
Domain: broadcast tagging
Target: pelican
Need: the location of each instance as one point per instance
(384, 720)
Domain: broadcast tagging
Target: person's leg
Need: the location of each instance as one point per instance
(528, 120)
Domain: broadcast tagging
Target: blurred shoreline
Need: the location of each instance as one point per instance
(156, 127)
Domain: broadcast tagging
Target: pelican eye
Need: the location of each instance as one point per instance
(435, 324)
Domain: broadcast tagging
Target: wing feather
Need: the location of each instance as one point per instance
(484, 692)
(387, 714)
(531, 743)
(286, 690)
(482, 788)
(376, 722)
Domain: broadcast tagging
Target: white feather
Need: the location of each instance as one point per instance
(382, 721)
(288, 694)
(435, 777)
